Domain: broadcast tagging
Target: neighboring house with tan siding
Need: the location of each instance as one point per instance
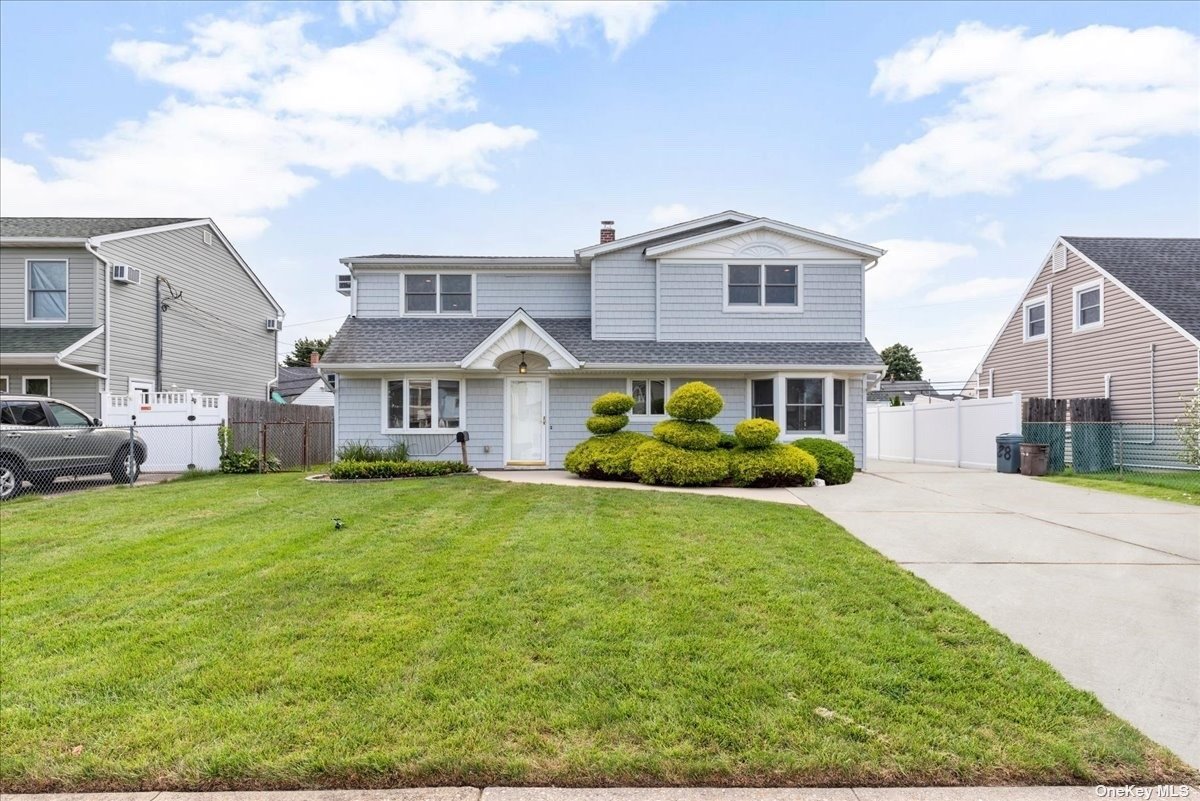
(1105, 317)
(79, 300)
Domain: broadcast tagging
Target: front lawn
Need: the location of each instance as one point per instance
(220, 633)
(1179, 486)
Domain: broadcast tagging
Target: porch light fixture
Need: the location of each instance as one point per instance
(522, 368)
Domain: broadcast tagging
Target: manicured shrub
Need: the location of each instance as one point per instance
(757, 432)
(727, 441)
(772, 466)
(692, 436)
(347, 469)
(605, 457)
(695, 401)
(365, 452)
(602, 424)
(835, 462)
(656, 462)
(612, 403)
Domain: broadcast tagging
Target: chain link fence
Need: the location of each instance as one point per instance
(37, 457)
(1146, 453)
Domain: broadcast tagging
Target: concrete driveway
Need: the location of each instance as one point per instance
(1105, 587)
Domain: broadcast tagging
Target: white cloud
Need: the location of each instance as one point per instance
(991, 231)
(976, 288)
(34, 140)
(671, 213)
(369, 11)
(264, 111)
(910, 264)
(849, 222)
(1045, 107)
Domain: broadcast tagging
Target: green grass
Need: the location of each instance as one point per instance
(219, 633)
(1179, 486)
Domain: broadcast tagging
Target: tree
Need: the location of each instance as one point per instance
(902, 363)
(303, 348)
(1187, 426)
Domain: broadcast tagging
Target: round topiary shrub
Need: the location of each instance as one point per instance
(692, 436)
(695, 401)
(835, 462)
(606, 457)
(612, 403)
(656, 462)
(602, 424)
(727, 442)
(772, 466)
(757, 432)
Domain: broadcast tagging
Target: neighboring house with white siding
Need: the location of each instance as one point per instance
(512, 350)
(91, 305)
(303, 386)
(1104, 317)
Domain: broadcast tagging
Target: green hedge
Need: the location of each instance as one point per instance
(772, 466)
(352, 469)
(601, 424)
(695, 401)
(366, 452)
(656, 462)
(613, 403)
(835, 462)
(692, 436)
(757, 432)
(605, 457)
(727, 441)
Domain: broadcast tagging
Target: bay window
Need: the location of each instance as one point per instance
(804, 405)
(416, 404)
(762, 398)
(839, 406)
(801, 405)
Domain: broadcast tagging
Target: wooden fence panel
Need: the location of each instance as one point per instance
(299, 436)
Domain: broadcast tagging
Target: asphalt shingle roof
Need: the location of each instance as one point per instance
(81, 227)
(443, 341)
(36, 339)
(294, 381)
(1164, 272)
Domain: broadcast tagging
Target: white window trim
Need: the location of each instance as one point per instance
(1078, 290)
(666, 395)
(3, 383)
(433, 382)
(780, 397)
(762, 307)
(25, 384)
(66, 303)
(437, 295)
(1044, 302)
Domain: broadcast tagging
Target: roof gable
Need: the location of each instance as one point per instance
(668, 233)
(766, 239)
(519, 332)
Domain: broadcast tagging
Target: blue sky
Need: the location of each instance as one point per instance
(963, 137)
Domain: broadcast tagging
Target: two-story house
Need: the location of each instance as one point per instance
(1109, 317)
(512, 350)
(130, 305)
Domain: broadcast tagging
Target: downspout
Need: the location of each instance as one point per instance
(60, 363)
(87, 245)
(158, 333)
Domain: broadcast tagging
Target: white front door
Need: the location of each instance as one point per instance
(141, 390)
(526, 420)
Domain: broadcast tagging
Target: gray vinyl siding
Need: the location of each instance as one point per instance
(623, 296)
(90, 355)
(82, 281)
(1121, 348)
(692, 296)
(67, 385)
(377, 294)
(360, 419)
(214, 337)
(540, 294)
(856, 420)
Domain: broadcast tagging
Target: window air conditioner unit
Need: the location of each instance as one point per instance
(343, 284)
(274, 324)
(124, 274)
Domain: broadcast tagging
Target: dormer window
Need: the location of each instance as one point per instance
(438, 293)
(756, 286)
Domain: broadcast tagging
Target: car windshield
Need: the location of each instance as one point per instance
(23, 413)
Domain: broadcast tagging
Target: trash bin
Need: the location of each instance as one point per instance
(1035, 458)
(1008, 453)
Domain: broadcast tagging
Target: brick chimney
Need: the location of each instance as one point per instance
(607, 232)
(314, 358)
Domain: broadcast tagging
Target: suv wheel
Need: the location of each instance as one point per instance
(10, 480)
(125, 466)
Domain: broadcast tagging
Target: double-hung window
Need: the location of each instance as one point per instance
(762, 398)
(437, 293)
(839, 406)
(414, 404)
(762, 286)
(46, 288)
(649, 396)
(804, 405)
(1089, 305)
(1034, 317)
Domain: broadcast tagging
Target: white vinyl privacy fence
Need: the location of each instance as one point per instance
(961, 433)
(178, 427)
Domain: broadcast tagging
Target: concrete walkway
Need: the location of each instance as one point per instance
(1103, 586)
(641, 794)
(564, 479)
